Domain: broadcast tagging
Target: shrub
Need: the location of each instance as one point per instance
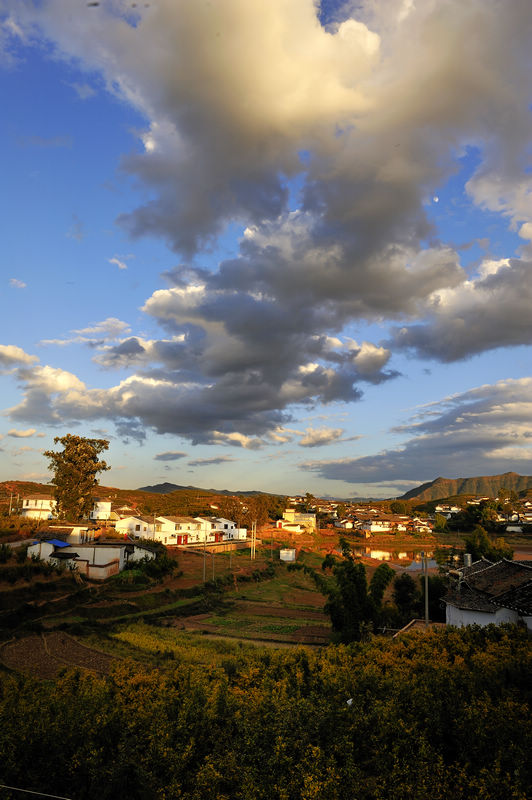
(5, 553)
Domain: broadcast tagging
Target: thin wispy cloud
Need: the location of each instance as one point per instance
(117, 262)
(209, 462)
(83, 90)
(45, 141)
(21, 434)
(95, 334)
(76, 230)
(17, 284)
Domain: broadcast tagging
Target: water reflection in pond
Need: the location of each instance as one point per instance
(409, 559)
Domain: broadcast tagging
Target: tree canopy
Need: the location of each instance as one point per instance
(479, 544)
(75, 468)
(354, 608)
(439, 715)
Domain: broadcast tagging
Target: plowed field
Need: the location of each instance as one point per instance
(43, 656)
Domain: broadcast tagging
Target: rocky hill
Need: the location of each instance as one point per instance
(485, 486)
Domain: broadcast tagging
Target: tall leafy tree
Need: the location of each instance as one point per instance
(74, 469)
(353, 606)
(479, 544)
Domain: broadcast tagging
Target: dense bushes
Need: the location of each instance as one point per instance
(28, 570)
(440, 715)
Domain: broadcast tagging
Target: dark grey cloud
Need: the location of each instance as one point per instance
(170, 455)
(208, 462)
(485, 428)
(492, 311)
(233, 116)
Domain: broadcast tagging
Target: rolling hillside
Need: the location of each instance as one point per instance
(485, 486)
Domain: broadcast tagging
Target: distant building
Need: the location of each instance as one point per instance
(292, 519)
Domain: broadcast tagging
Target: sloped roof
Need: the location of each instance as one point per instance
(477, 566)
(518, 599)
(464, 597)
(497, 579)
(487, 587)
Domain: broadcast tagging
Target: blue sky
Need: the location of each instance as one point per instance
(268, 247)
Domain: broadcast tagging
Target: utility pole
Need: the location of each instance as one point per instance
(253, 539)
(204, 555)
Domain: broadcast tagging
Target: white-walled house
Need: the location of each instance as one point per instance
(222, 529)
(38, 506)
(137, 527)
(447, 511)
(102, 511)
(488, 593)
(292, 519)
(178, 530)
(196, 530)
(95, 560)
(376, 526)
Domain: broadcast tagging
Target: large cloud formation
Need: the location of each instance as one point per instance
(367, 116)
(485, 428)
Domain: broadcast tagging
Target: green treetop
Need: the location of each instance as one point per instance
(75, 469)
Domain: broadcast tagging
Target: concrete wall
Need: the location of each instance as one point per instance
(460, 617)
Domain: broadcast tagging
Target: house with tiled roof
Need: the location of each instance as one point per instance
(487, 593)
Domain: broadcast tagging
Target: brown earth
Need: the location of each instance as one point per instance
(43, 656)
(307, 634)
(271, 610)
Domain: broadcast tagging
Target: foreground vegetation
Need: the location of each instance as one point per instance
(442, 715)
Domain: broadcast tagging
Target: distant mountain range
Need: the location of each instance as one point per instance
(487, 486)
(167, 488)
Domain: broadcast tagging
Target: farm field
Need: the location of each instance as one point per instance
(250, 603)
(44, 656)
(174, 619)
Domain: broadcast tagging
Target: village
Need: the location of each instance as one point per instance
(116, 535)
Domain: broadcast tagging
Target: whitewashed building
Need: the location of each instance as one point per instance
(94, 560)
(102, 511)
(293, 519)
(137, 527)
(178, 530)
(38, 506)
(222, 529)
